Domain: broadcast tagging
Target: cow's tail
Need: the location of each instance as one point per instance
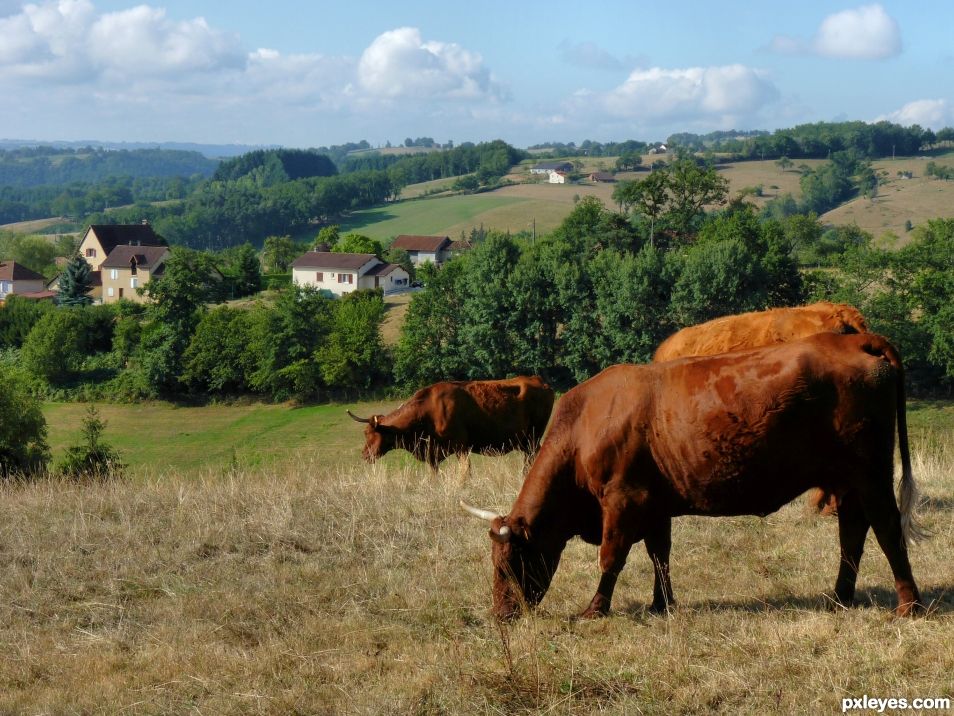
(908, 496)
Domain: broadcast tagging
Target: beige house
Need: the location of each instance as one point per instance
(100, 240)
(343, 273)
(96, 283)
(128, 268)
(557, 177)
(436, 249)
(18, 279)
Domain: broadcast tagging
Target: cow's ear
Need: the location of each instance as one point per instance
(500, 531)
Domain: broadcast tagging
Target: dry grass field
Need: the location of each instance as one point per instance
(899, 200)
(322, 586)
(30, 227)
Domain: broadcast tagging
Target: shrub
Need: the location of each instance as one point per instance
(92, 459)
(23, 430)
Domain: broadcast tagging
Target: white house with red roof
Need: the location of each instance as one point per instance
(342, 273)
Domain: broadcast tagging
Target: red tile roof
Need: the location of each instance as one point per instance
(382, 269)
(409, 242)
(12, 271)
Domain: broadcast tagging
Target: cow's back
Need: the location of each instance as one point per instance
(760, 328)
(739, 433)
(491, 414)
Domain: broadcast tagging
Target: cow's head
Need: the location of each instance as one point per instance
(523, 566)
(378, 438)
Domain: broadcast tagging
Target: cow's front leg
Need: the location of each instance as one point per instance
(463, 464)
(613, 552)
(658, 545)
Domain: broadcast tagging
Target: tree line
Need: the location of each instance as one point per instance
(818, 140)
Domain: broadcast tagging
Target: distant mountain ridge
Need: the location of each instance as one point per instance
(212, 151)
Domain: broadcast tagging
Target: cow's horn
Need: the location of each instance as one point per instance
(357, 419)
(488, 515)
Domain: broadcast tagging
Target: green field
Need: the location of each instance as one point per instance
(429, 217)
(158, 437)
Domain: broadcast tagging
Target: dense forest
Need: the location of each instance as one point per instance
(38, 166)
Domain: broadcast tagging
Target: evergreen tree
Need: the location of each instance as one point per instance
(249, 278)
(75, 283)
(93, 458)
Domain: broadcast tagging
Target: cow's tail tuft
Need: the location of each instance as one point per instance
(908, 488)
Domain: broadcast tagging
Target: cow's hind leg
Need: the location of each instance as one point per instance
(882, 511)
(658, 544)
(852, 531)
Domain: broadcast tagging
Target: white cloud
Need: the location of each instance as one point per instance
(866, 33)
(400, 64)
(863, 33)
(929, 113)
(721, 94)
(68, 40)
(142, 40)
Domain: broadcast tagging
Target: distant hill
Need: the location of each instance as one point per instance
(213, 151)
(52, 166)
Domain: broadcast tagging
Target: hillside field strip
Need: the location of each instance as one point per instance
(516, 207)
(899, 200)
(309, 582)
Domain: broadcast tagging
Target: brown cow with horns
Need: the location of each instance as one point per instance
(459, 417)
(735, 434)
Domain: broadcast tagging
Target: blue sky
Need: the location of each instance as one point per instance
(319, 73)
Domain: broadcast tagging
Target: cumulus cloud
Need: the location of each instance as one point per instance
(930, 113)
(143, 40)
(863, 33)
(68, 39)
(714, 93)
(399, 63)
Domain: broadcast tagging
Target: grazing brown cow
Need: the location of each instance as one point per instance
(760, 328)
(765, 328)
(460, 417)
(734, 434)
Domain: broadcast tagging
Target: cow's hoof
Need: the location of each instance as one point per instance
(662, 609)
(591, 613)
(599, 607)
(910, 609)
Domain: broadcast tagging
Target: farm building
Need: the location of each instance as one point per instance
(18, 279)
(601, 177)
(343, 273)
(557, 178)
(436, 249)
(129, 267)
(100, 239)
(547, 167)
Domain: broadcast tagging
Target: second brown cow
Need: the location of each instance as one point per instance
(765, 328)
(460, 417)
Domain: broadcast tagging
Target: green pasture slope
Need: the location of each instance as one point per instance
(425, 216)
(158, 437)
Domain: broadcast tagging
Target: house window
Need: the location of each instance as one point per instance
(320, 277)
(110, 292)
(120, 293)
(343, 277)
(133, 282)
(91, 253)
(114, 274)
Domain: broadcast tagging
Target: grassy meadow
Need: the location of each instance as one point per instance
(308, 582)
